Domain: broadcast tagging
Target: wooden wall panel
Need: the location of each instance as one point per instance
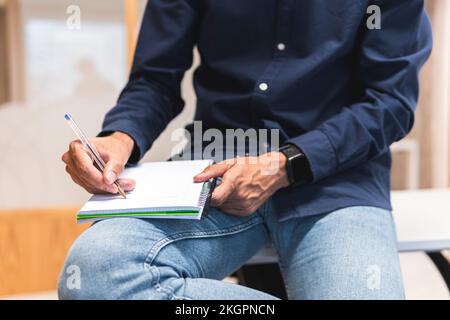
(3, 61)
(131, 23)
(33, 246)
(15, 45)
(432, 126)
(439, 100)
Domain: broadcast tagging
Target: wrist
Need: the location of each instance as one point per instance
(282, 179)
(126, 141)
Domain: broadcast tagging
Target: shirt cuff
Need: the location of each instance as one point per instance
(319, 151)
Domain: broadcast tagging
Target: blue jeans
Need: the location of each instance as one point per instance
(347, 254)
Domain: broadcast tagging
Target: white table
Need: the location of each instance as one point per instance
(422, 219)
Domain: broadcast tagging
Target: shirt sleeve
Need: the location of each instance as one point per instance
(152, 96)
(388, 66)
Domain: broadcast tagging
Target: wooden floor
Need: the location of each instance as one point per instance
(33, 246)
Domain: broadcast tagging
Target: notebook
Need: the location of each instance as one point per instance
(163, 190)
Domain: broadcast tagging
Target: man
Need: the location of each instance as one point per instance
(339, 93)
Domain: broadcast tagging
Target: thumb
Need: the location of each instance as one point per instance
(112, 171)
(213, 171)
(221, 193)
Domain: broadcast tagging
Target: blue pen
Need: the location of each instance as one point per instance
(91, 149)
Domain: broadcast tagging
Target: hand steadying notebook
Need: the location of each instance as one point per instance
(163, 190)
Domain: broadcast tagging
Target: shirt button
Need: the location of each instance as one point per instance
(281, 46)
(263, 86)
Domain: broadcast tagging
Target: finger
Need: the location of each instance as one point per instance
(95, 184)
(213, 171)
(232, 210)
(242, 205)
(65, 157)
(83, 164)
(241, 209)
(79, 181)
(112, 170)
(127, 184)
(221, 193)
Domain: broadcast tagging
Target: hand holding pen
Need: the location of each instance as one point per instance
(96, 164)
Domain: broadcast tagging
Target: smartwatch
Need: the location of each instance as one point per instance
(297, 165)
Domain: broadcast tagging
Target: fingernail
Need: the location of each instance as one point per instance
(110, 176)
(128, 186)
(113, 189)
(200, 176)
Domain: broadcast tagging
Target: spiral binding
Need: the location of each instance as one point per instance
(204, 194)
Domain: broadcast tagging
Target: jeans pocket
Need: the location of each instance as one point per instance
(199, 234)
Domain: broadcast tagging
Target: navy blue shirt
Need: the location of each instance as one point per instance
(312, 69)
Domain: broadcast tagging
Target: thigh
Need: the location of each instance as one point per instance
(211, 248)
(347, 254)
(123, 253)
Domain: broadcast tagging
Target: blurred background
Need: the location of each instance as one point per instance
(59, 56)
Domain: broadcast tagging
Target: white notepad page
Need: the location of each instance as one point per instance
(159, 185)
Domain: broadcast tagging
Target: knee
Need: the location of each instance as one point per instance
(86, 260)
(108, 262)
(98, 265)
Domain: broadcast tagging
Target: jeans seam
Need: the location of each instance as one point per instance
(167, 290)
(280, 263)
(269, 210)
(156, 248)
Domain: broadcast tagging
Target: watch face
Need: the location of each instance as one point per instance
(297, 166)
(291, 152)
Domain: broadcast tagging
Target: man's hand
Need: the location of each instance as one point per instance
(246, 182)
(115, 150)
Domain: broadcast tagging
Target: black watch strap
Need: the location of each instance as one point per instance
(297, 165)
